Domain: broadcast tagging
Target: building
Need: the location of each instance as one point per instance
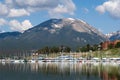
(106, 44)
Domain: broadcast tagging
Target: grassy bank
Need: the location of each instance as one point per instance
(107, 53)
(102, 53)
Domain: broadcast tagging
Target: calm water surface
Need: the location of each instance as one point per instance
(59, 71)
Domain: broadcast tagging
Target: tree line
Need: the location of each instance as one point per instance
(67, 49)
(89, 47)
(111, 46)
(47, 50)
(96, 47)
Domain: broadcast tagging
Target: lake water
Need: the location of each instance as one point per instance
(59, 71)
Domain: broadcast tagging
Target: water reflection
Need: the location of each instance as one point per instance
(59, 71)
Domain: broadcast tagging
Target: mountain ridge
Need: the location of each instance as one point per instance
(114, 35)
(8, 34)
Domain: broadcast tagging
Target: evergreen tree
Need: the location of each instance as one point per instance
(110, 46)
(117, 45)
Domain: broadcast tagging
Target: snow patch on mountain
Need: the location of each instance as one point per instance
(82, 21)
(109, 35)
(113, 34)
(57, 26)
(71, 19)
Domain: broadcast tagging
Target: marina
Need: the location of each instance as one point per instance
(63, 59)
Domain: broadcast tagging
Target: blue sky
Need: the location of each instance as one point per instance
(20, 15)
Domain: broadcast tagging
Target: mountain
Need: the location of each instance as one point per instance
(114, 35)
(55, 32)
(9, 34)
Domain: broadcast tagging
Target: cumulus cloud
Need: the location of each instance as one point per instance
(3, 9)
(9, 10)
(37, 3)
(111, 6)
(67, 7)
(54, 7)
(21, 27)
(14, 8)
(8, 1)
(18, 13)
(2, 21)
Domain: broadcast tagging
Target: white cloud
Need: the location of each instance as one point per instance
(8, 1)
(9, 10)
(18, 13)
(67, 7)
(26, 24)
(2, 21)
(21, 27)
(101, 9)
(17, 8)
(37, 3)
(111, 6)
(54, 7)
(3, 9)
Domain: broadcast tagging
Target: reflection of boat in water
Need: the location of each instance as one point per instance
(40, 59)
(94, 60)
(3, 60)
(32, 61)
(115, 60)
(59, 71)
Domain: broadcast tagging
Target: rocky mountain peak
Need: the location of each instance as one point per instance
(54, 25)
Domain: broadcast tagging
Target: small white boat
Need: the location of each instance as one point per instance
(16, 61)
